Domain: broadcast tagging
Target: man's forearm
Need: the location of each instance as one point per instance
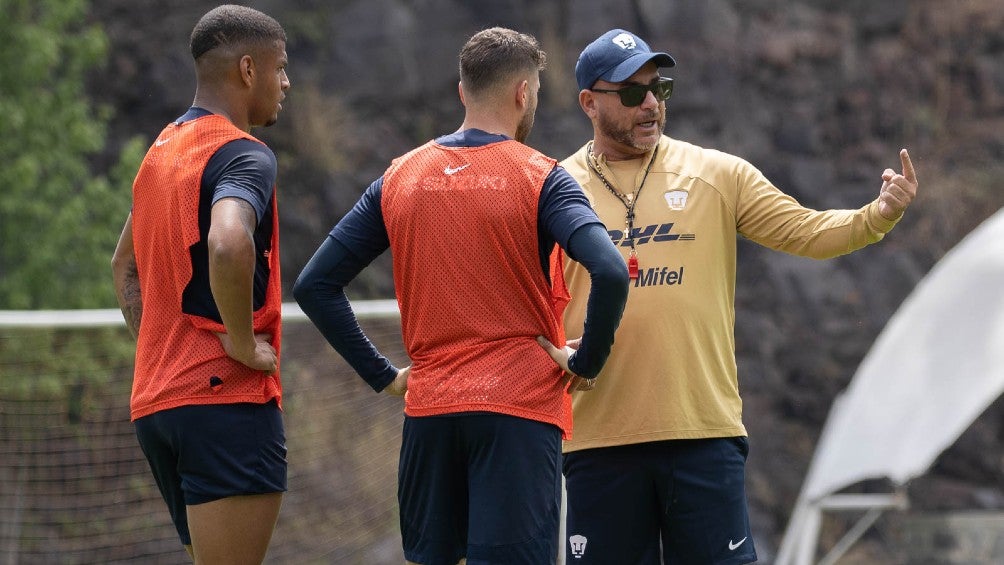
(231, 279)
(125, 275)
(607, 296)
(231, 268)
(604, 309)
(319, 292)
(128, 293)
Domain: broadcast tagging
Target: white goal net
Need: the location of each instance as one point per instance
(75, 488)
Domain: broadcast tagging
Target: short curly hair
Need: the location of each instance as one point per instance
(230, 24)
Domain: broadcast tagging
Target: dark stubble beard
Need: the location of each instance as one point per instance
(525, 124)
(625, 136)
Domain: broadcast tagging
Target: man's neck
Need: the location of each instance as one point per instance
(220, 106)
(489, 122)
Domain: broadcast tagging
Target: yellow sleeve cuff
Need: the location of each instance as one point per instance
(877, 221)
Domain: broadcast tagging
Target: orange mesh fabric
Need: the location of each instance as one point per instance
(560, 296)
(179, 361)
(462, 223)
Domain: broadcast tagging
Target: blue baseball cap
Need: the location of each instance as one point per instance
(614, 57)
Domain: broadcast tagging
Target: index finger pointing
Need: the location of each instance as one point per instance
(908, 172)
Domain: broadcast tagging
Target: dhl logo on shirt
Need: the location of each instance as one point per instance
(659, 275)
(655, 232)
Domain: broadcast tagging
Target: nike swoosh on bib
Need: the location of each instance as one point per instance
(451, 170)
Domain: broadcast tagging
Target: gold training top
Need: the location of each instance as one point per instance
(672, 371)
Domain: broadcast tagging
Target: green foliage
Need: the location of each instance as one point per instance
(58, 221)
(66, 364)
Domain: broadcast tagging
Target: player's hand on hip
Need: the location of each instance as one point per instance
(261, 357)
(560, 356)
(898, 189)
(399, 386)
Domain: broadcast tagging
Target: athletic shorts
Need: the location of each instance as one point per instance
(204, 453)
(685, 496)
(483, 486)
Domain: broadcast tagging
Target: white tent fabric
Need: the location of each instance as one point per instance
(935, 367)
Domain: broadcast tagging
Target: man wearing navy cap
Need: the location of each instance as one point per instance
(655, 471)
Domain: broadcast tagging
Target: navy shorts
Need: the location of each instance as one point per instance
(686, 496)
(207, 452)
(482, 486)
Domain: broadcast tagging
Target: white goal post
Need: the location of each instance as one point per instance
(113, 317)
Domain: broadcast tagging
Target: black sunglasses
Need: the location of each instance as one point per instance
(635, 94)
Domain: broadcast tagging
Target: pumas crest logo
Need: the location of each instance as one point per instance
(676, 199)
(624, 41)
(578, 544)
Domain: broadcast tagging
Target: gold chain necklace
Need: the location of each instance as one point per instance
(629, 201)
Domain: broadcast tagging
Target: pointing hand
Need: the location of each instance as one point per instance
(898, 190)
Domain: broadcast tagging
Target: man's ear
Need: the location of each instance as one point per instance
(523, 94)
(247, 69)
(460, 91)
(587, 101)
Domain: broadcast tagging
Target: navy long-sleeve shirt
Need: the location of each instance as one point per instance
(564, 218)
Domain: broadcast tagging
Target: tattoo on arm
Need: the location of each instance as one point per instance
(132, 306)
